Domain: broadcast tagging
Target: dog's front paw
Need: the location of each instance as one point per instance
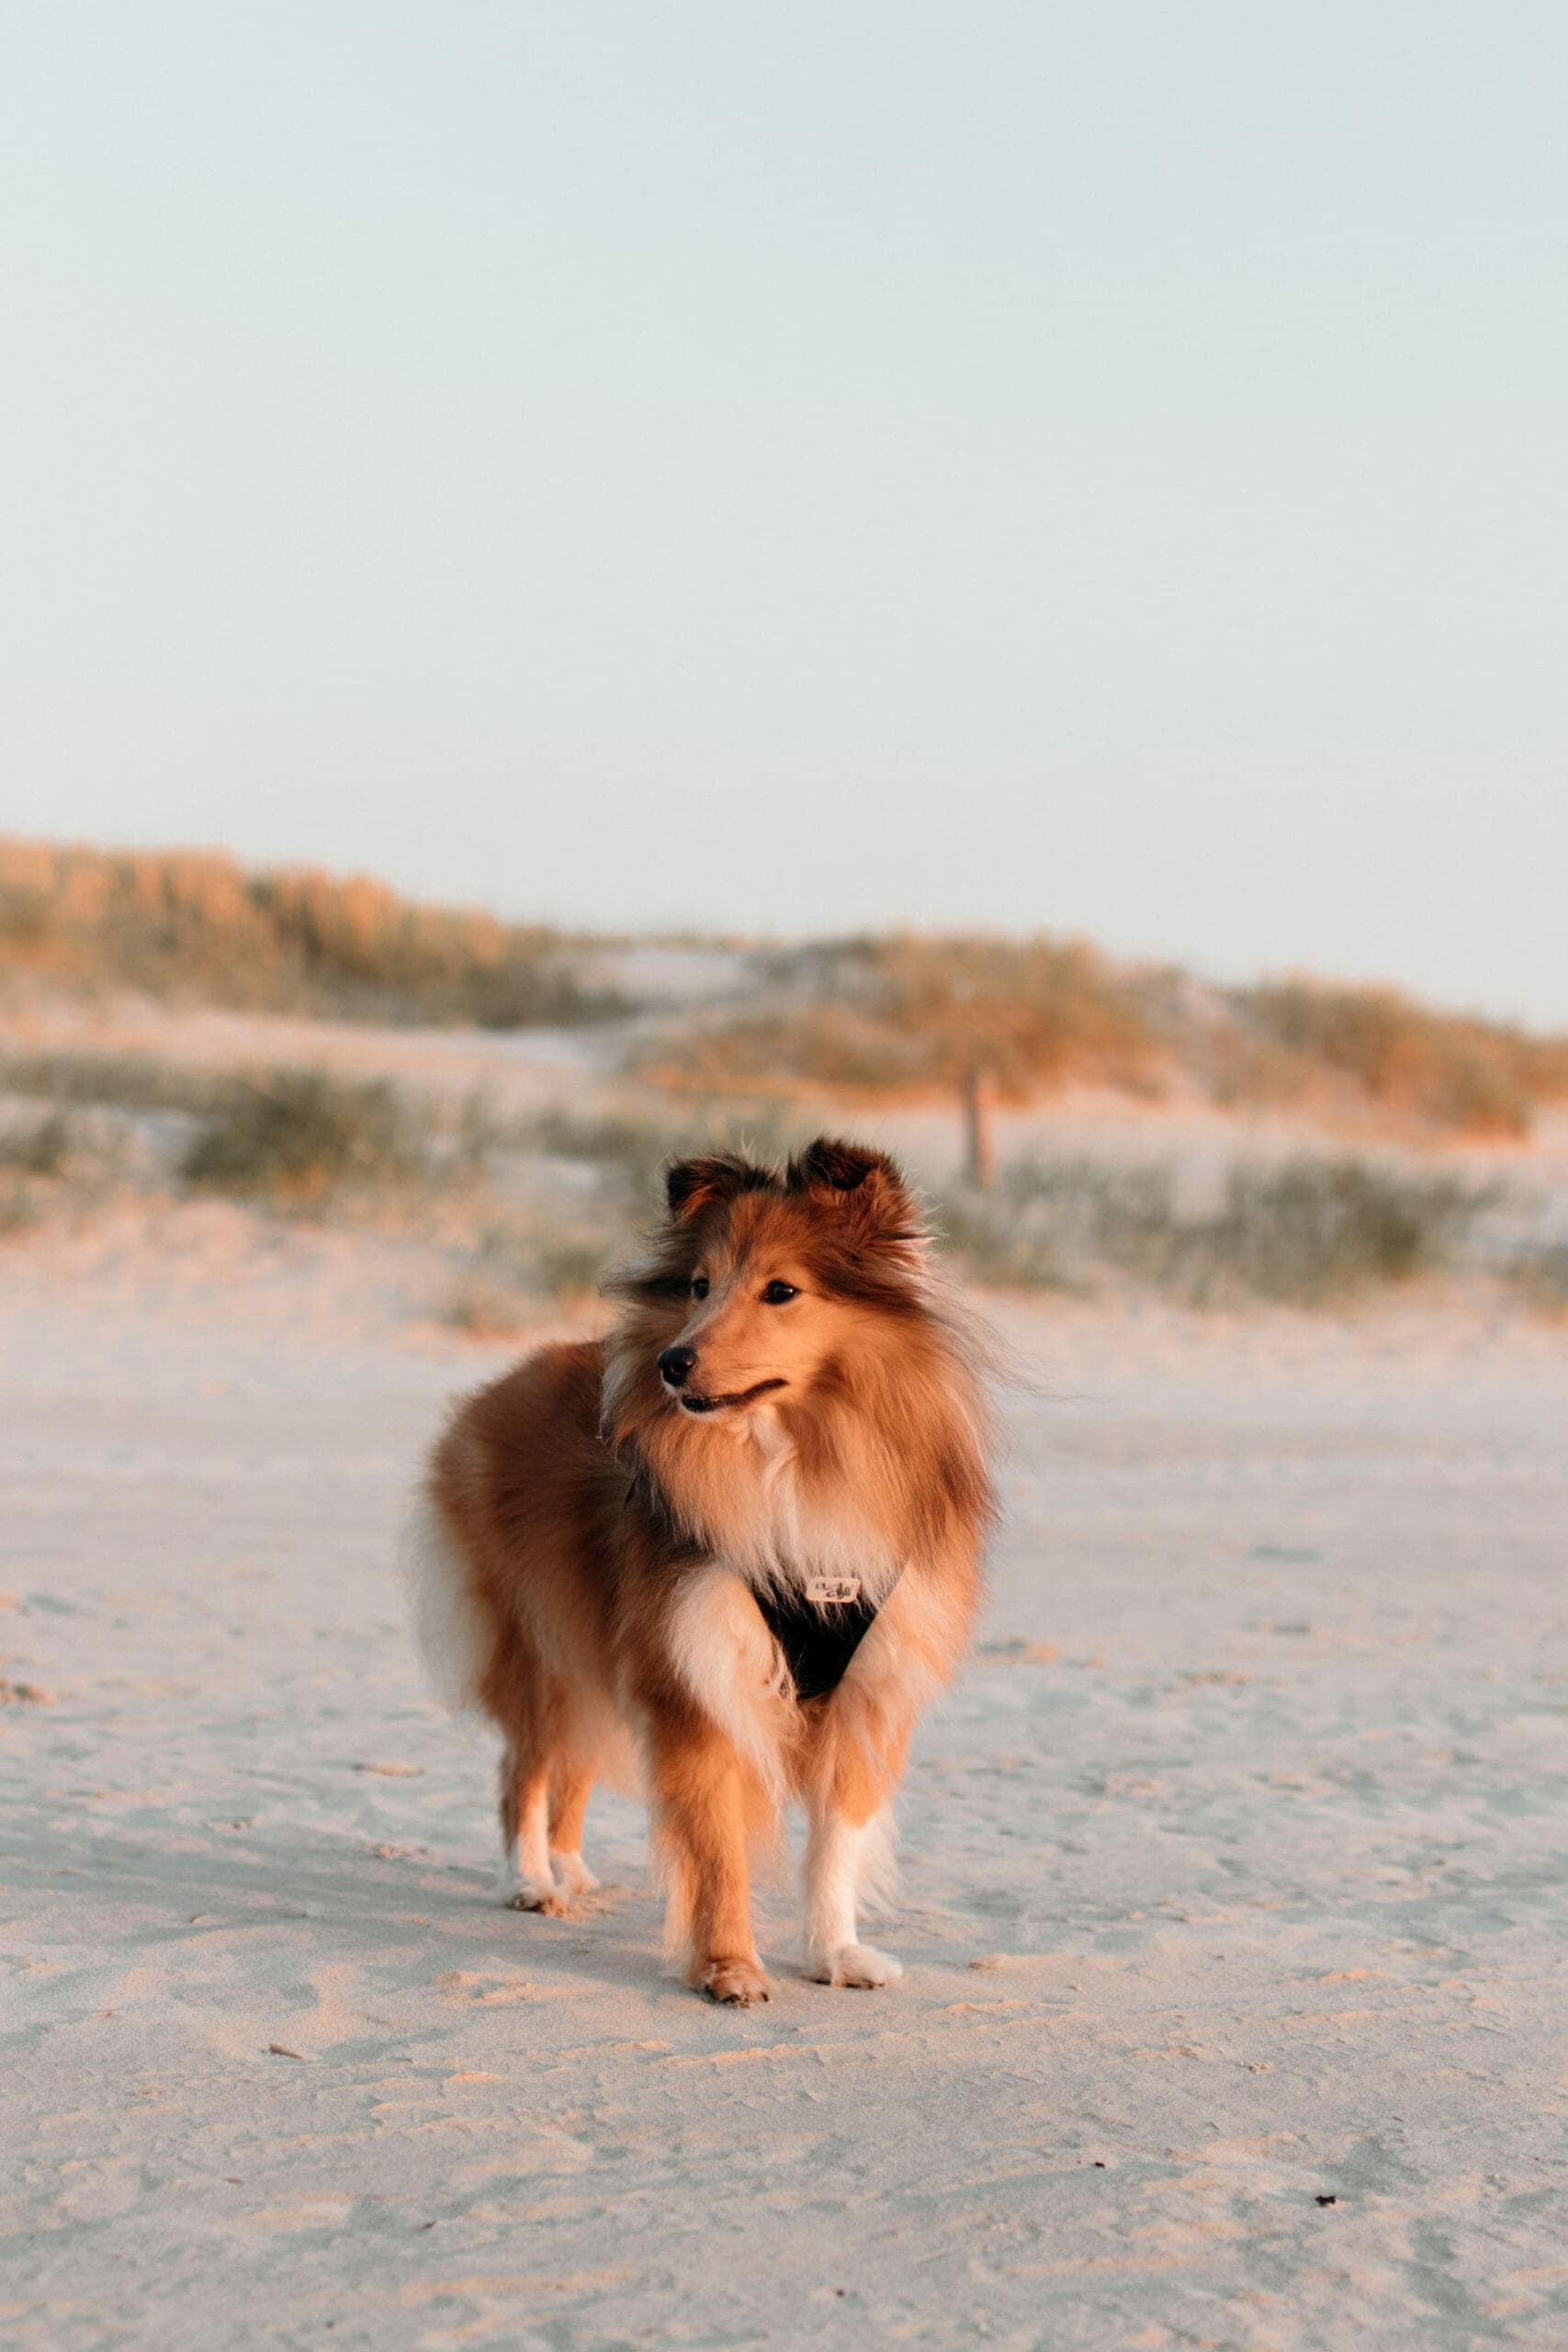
(539, 1894)
(736, 1982)
(854, 1965)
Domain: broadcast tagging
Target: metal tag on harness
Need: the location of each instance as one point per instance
(822, 1589)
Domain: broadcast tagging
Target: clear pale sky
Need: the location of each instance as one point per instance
(1098, 467)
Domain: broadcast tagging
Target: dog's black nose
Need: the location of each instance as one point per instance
(675, 1363)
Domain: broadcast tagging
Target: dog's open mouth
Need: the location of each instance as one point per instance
(690, 1404)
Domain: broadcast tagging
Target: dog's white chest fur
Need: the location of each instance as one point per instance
(800, 1539)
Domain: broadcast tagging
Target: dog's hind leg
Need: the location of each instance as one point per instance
(527, 1881)
(571, 1784)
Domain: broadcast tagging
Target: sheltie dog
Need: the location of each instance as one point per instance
(741, 1537)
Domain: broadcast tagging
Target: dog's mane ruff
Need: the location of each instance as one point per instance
(883, 1461)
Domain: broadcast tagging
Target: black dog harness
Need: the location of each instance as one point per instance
(818, 1629)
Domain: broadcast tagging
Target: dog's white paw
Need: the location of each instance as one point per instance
(572, 1875)
(854, 1965)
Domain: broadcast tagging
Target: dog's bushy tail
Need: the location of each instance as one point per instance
(448, 1631)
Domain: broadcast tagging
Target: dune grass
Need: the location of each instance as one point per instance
(501, 1284)
(298, 1136)
(128, 1082)
(634, 1149)
(904, 1012)
(1469, 1076)
(38, 1146)
(909, 1015)
(901, 1013)
(1309, 1233)
(295, 1136)
(499, 1194)
(199, 927)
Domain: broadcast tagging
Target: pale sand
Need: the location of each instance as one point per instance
(1239, 1874)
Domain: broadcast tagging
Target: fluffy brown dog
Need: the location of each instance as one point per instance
(745, 1530)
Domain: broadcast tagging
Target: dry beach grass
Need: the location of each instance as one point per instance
(874, 1015)
(531, 1199)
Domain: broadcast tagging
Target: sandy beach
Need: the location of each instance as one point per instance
(1232, 1901)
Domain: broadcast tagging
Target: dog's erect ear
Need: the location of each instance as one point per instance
(691, 1185)
(836, 1167)
(866, 1184)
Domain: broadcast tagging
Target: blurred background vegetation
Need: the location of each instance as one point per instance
(754, 1045)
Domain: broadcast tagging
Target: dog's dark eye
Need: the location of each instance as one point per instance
(700, 1286)
(779, 1293)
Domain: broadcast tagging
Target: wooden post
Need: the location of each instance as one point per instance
(979, 1102)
